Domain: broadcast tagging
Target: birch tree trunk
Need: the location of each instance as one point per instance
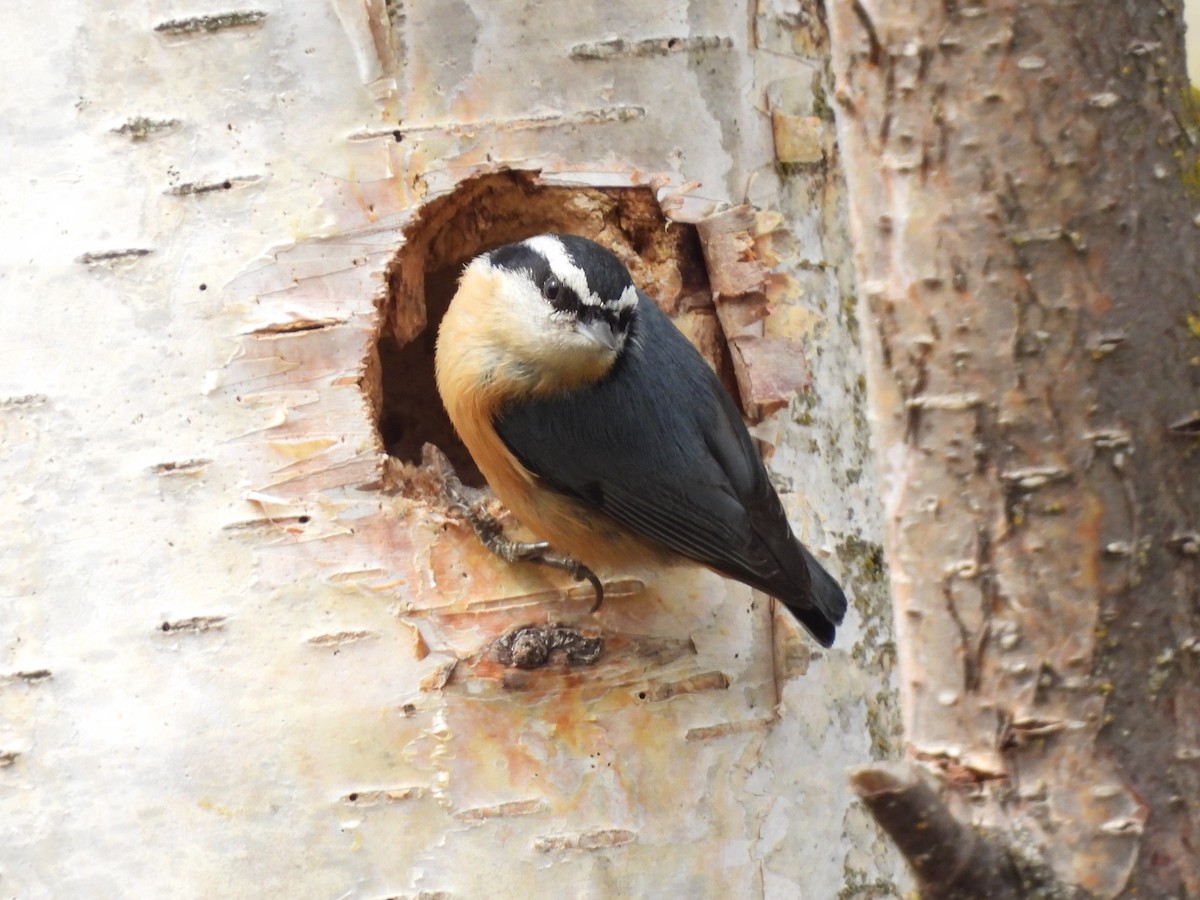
(1024, 202)
(245, 650)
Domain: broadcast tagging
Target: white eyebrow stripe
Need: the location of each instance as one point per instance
(627, 300)
(561, 265)
(552, 249)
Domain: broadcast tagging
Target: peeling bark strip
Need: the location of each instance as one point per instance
(296, 326)
(598, 116)
(1022, 187)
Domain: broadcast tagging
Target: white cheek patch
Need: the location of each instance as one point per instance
(523, 331)
(522, 316)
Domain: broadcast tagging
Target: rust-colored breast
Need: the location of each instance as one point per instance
(476, 377)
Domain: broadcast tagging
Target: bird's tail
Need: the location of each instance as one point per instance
(826, 603)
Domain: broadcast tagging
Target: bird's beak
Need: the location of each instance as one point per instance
(600, 332)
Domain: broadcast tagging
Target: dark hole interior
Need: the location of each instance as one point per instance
(412, 414)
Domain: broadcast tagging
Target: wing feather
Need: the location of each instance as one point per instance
(659, 446)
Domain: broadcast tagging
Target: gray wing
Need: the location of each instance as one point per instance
(659, 446)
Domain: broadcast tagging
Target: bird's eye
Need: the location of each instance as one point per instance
(552, 288)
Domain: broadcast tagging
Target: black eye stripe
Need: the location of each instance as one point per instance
(568, 301)
(561, 297)
(533, 265)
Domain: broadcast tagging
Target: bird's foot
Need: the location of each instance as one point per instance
(470, 502)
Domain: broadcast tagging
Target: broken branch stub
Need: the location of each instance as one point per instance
(950, 860)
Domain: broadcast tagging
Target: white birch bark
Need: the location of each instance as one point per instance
(241, 652)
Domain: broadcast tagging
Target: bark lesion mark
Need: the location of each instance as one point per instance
(181, 467)
(196, 188)
(1033, 478)
(875, 54)
(297, 326)
(1018, 484)
(889, 104)
(1185, 543)
(1017, 230)
(942, 141)
(724, 729)
(1102, 345)
(533, 646)
(989, 588)
(969, 650)
(924, 59)
(1048, 680)
(1059, 425)
(647, 47)
(972, 646)
(1129, 493)
(501, 811)
(97, 257)
(886, 316)
(193, 625)
(912, 425)
(919, 358)
(338, 638)
(1015, 733)
(381, 796)
(982, 435)
(211, 24)
(28, 676)
(1188, 426)
(664, 690)
(598, 839)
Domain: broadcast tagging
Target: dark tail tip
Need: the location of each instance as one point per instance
(827, 603)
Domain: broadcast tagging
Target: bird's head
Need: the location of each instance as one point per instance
(561, 308)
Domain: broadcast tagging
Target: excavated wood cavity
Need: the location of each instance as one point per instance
(483, 213)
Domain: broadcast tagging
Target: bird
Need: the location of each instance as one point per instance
(605, 432)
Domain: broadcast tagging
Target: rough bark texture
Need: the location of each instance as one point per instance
(1023, 192)
(246, 652)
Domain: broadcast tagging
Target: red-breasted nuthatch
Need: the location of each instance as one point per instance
(606, 433)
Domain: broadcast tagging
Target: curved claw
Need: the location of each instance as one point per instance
(491, 535)
(581, 572)
(577, 570)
